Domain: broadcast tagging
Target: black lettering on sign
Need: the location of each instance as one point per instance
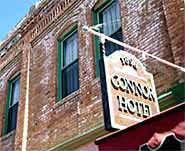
(125, 61)
(133, 107)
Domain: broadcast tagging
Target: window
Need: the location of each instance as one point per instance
(68, 65)
(109, 16)
(12, 105)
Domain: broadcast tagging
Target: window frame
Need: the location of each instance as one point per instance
(8, 102)
(60, 59)
(96, 20)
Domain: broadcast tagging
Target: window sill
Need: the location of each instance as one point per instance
(67, 98)
(6, 136)
(74, 94)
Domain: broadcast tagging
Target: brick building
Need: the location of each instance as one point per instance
(51, 64)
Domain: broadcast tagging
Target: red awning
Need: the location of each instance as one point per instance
(133, 137)
(169, 142)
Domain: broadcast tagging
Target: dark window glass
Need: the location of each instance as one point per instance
(13, 107)
(12, 117)
(70, 75)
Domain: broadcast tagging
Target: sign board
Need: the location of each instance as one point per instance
(128, 91)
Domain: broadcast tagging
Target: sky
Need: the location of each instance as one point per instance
(11, 12)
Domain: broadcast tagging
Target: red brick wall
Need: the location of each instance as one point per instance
(77, 113)
(9, 70)
(174, 16)
(146, 24)
(90, 146)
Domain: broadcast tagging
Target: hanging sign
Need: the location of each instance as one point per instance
(128, 91)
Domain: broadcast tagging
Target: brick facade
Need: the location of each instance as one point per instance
(154, 26)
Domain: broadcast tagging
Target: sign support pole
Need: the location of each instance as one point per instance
(90, 30)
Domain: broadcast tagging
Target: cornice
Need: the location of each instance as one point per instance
(54, 21)
(57, 11)
(37, 21)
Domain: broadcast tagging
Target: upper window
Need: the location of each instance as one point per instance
(68, 60)
(12, 105)
(110, 16)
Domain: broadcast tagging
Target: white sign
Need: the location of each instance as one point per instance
(131, 91)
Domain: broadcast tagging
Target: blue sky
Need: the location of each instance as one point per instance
(11, 12)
